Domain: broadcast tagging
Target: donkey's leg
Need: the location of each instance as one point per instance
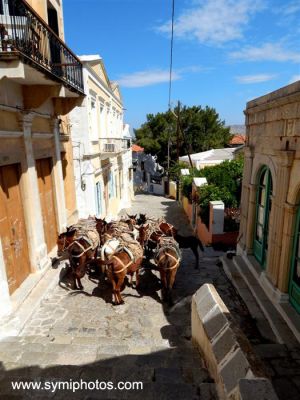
(137, 278)
(79, 284)
(114, 292)
(196, 254)
(131, 279)
(171, 280)
(74, 284)
(119, 285)
(163, 279)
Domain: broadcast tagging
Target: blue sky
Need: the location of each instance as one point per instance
(226, 52)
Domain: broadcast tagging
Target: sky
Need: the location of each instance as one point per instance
(226, 52)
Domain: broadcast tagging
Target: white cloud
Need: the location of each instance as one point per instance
(266, 52)
(258, 78)
(294, 78)
(157, 76)
(214, 21)
(290, 8)
(147, 78)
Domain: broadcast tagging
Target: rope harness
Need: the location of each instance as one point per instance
(123, 265)
(171, 256)
(84, 250)
(166, 244)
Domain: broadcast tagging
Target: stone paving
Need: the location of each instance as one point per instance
(80, 335)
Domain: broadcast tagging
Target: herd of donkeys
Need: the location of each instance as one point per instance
(119, 247)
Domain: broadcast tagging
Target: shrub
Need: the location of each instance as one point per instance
(212, 193)
(186, 186)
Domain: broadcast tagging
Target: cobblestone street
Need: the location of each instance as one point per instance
(139, 341)
(80, 335)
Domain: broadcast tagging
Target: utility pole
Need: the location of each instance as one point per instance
(178, 132)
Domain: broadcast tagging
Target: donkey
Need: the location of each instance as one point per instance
(120, 264)
(65, 239)
(167, 259)
(142, 219)
(185, 242)
(81, 251)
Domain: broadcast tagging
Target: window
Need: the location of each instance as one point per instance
(112, 186)
(98, 199)
(102, 119)
(15, 8)
(93, 119)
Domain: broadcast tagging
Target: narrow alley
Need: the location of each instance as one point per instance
(140, 341)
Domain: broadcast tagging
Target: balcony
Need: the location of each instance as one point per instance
(24, 34)
(114, 145)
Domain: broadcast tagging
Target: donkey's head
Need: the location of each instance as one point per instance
(64, 240)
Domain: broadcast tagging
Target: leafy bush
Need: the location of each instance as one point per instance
(224, 183)
(186, 186)
(174, 171)
(226, 175)
(212, 193)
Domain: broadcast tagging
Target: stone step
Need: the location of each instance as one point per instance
(43, 351)
(88, 340)
(232, 271)
(280, 328)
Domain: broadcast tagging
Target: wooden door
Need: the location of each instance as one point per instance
(294, 285)
(263, 210)
(44, 169)
(12, 227)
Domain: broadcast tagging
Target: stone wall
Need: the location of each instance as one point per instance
(227, 352)
(273, 140)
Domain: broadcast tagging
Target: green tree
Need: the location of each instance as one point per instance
(202, 128)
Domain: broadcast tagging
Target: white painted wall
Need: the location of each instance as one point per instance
(87, 125)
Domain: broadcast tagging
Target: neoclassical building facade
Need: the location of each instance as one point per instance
(269, 240)
(101, 145)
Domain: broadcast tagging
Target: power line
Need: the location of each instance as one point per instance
(171, 55)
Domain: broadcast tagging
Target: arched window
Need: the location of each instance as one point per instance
(263, 209)
(294, 288)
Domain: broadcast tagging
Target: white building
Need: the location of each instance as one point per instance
(101, 145)
(210, 157)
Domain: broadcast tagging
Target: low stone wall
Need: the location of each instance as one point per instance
(216, 337)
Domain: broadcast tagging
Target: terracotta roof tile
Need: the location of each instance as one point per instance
(238, 139)
(137, 148)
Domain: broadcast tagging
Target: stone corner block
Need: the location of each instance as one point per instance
(257, 388)
(233, 368)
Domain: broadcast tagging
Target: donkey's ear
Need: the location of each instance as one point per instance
(71, 232)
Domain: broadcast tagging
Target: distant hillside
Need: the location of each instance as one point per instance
(237, 129)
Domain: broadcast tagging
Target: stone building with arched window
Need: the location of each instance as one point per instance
(269, 240)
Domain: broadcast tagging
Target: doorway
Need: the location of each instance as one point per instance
(263, 209)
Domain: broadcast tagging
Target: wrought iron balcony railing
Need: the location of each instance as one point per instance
(22, 30)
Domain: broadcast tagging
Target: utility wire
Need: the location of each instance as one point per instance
(170, 78)
(171, 55)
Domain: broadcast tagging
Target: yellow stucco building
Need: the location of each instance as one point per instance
(269, 241)
(40, 82)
